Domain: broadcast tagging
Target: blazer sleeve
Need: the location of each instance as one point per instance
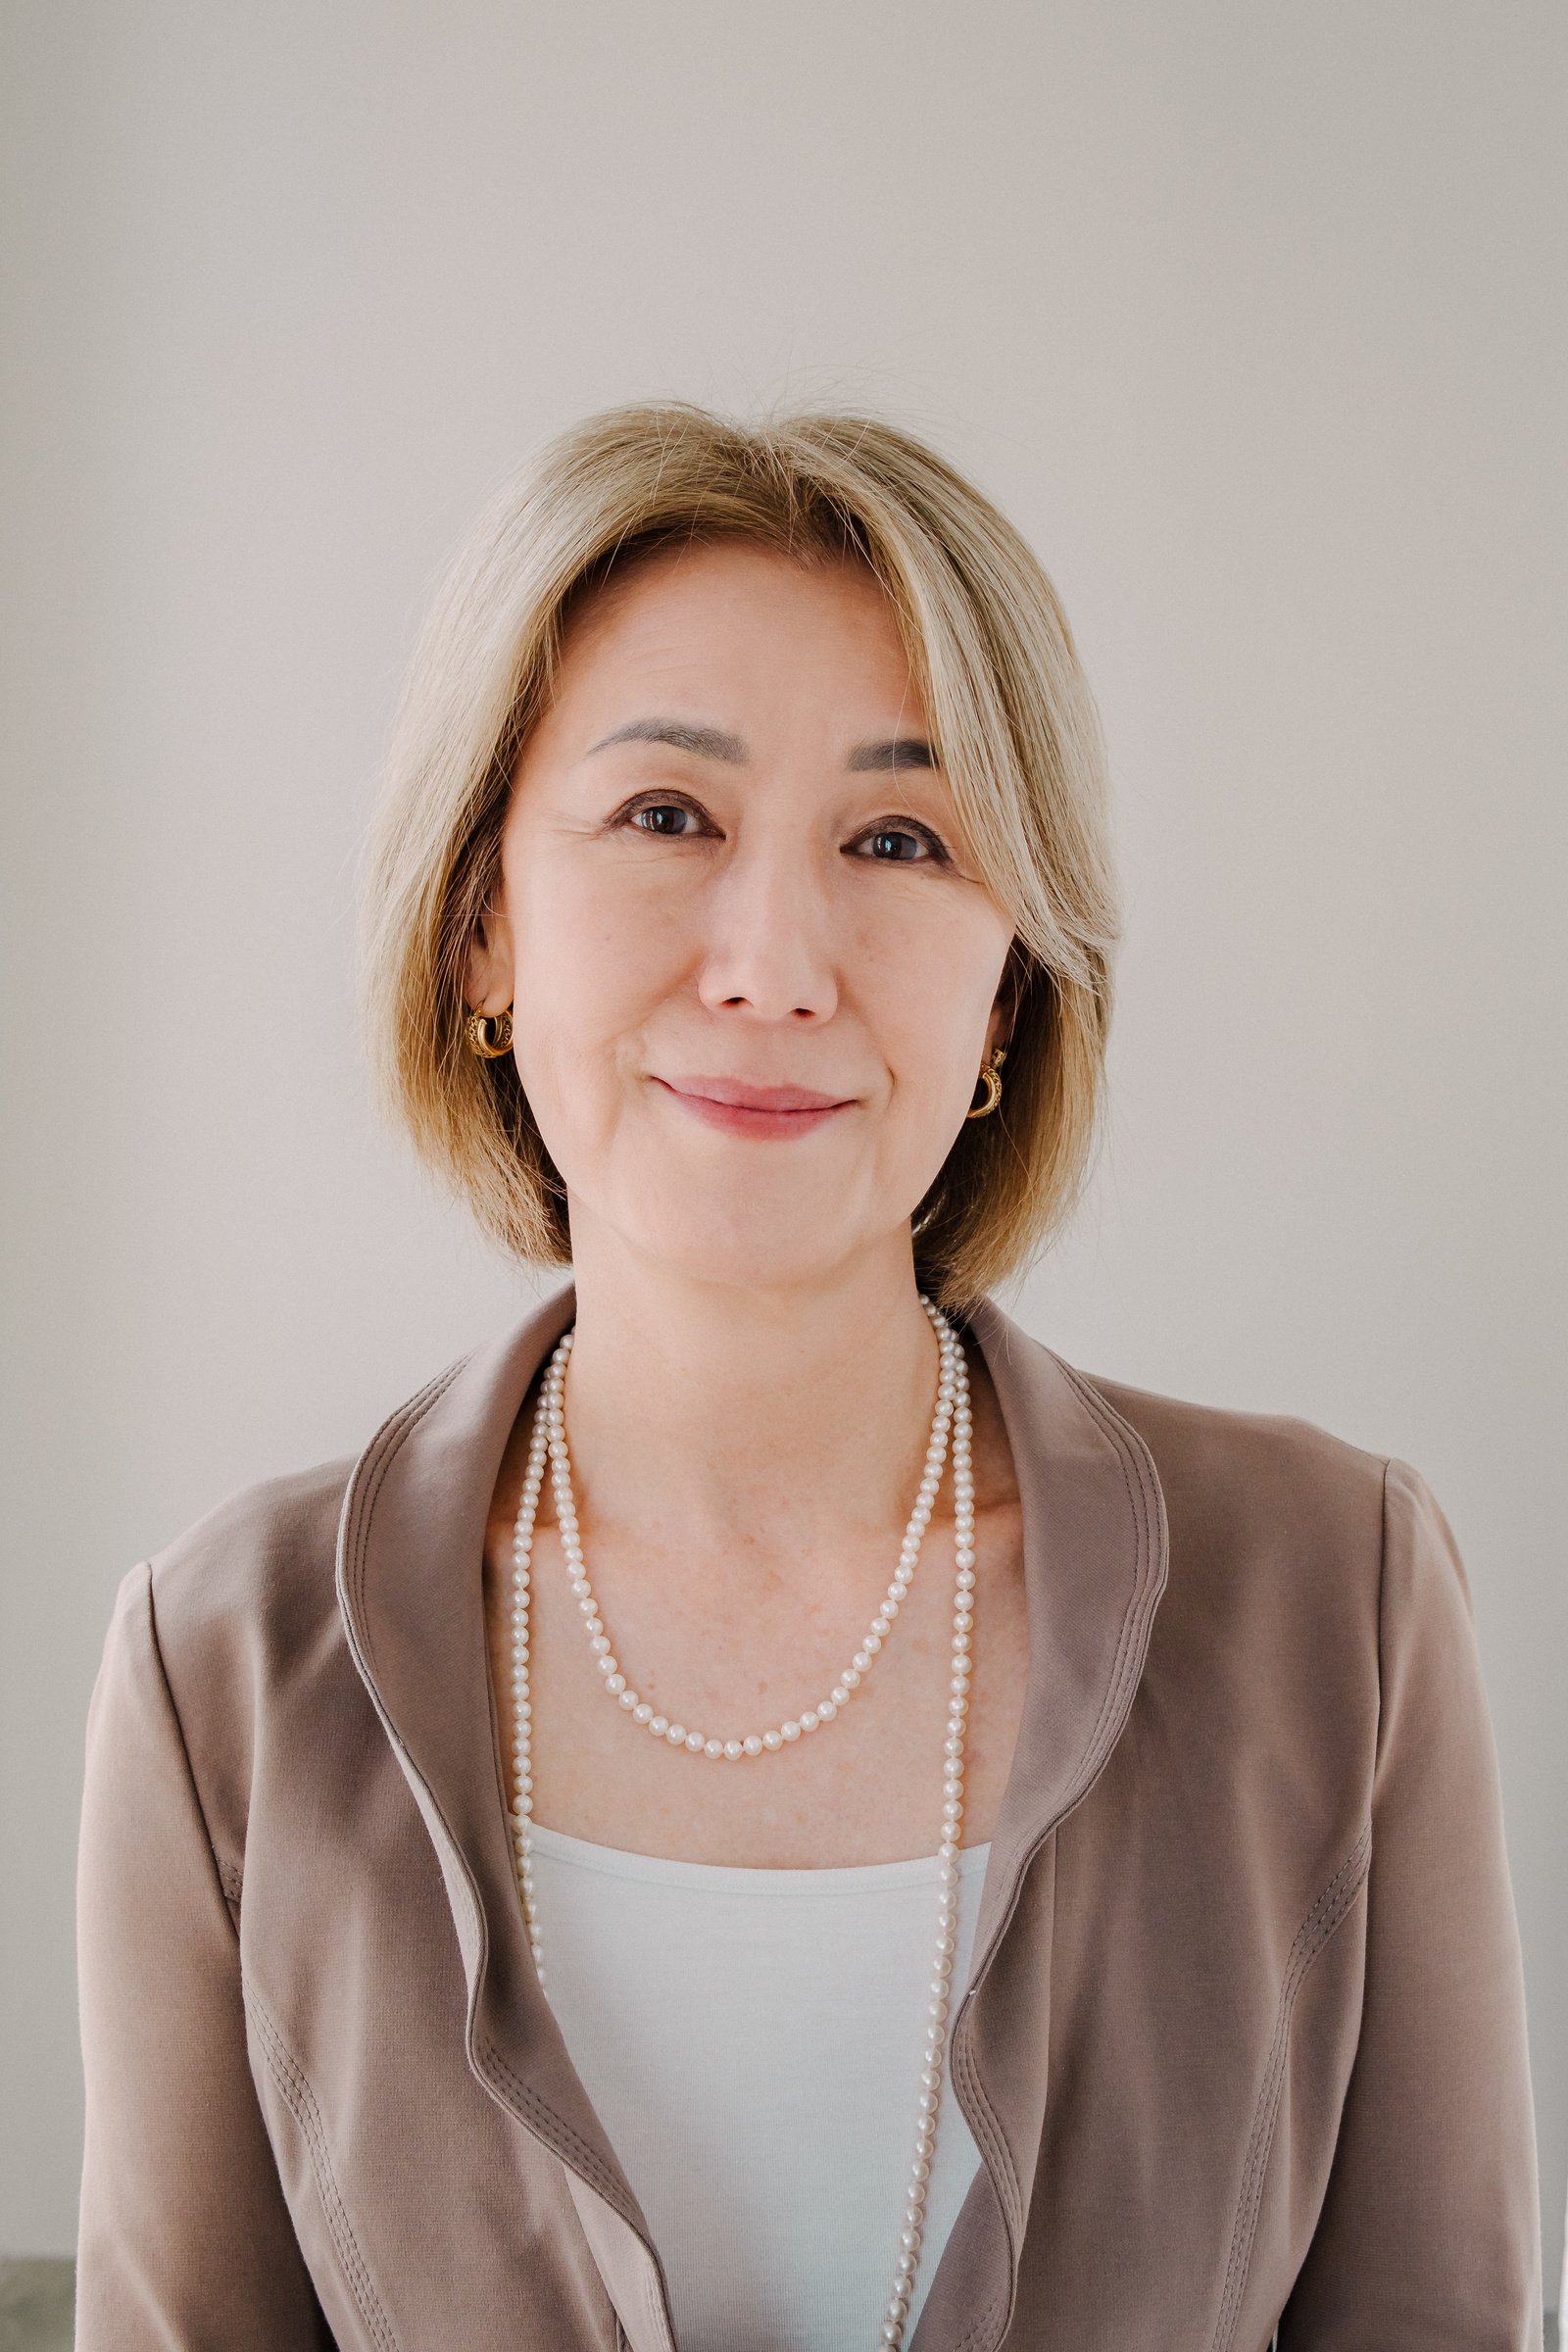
(184, 2235)
(1430, 2230)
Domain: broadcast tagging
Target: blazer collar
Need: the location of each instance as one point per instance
(409, 1575)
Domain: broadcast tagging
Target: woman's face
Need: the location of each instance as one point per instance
(753, 964)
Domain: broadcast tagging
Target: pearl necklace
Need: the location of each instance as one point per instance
(952, 1410)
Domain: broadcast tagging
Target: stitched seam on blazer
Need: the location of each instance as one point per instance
(991, 2134)
(600, 2180)
(301, 2102)
(1144, 1521)
(1313, 1933)
(982, 2325)
(988, 2138)
(656, 2309)
(383, 1448)
(589, 2163)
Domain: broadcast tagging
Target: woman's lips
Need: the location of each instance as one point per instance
(732, 1104)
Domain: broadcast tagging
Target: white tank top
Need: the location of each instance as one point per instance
(750, 2040)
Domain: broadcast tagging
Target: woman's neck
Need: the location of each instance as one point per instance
(771, 1425)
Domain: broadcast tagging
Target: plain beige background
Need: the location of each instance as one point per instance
(1250, 315)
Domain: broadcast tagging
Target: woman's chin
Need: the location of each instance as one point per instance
(748, 1249)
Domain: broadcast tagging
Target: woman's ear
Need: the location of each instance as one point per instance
(1005, 1012)
(491, 964)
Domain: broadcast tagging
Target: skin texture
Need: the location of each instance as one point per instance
(776, 898)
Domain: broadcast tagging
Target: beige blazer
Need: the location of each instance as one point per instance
(1243, 2041)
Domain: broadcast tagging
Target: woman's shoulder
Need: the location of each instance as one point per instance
(266, 1549)
(1228, 1469)
(1275, 1522)
(1233, 1466)
(242, 1599)
(223, 1645)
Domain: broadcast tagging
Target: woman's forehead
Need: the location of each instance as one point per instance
(742, 618)
(690, 588)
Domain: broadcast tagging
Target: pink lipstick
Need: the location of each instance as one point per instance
(741, 1108)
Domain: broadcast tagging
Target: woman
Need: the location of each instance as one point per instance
(764, 1809)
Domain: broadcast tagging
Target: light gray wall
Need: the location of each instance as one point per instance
(1251, 315)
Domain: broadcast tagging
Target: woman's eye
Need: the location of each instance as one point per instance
(904, 845)
(666, 818)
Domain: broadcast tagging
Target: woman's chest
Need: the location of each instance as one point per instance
(865, 1786)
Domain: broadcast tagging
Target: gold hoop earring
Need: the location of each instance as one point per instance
(476, 1029)
(990, 1079)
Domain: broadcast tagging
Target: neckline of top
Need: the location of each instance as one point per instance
(723, 1878)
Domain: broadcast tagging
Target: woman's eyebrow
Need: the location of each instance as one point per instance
(714, 743)
(899, 751)
(708, 743)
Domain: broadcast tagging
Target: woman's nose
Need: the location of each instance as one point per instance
(769, 943)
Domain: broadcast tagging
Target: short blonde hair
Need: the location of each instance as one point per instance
(1014, 723)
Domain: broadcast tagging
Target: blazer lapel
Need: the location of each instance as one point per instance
(1096, 1561)
(410, 1586)
(409, 1570)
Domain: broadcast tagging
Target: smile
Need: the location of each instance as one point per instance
(763, 1112)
